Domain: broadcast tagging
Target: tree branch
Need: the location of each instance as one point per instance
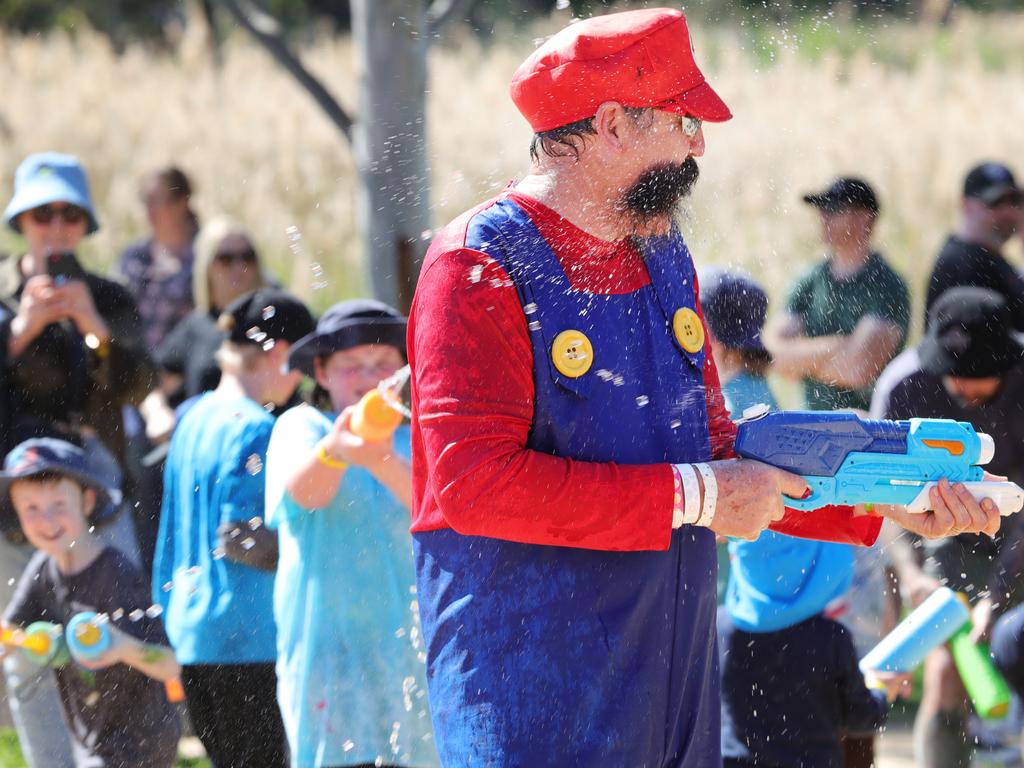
(441, 12)
(267, 31)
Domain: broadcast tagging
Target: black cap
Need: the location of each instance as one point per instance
(44, 455)
(349, 324)
(990, 182)
(735, 308)
(844, 194)
(969, 335)
(266, 315)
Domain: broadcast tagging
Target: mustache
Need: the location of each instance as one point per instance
(659, 190)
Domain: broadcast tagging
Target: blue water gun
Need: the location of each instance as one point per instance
(849, 460)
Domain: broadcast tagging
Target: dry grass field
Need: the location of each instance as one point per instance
(908, 107)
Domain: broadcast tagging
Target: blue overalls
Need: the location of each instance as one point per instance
(555, 656)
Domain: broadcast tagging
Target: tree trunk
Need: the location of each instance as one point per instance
(390, 143)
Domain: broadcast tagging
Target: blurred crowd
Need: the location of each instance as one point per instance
(241, 539)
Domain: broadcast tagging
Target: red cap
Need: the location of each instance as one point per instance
(637, 58)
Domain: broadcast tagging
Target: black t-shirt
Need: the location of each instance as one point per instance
(118, 717)
(962, 263)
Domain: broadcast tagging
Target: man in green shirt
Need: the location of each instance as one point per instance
(847, 317)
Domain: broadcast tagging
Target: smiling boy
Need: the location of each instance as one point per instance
(117, 710)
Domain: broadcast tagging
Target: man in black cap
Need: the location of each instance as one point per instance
(213, 572)
(990, 214)
(847, 317)
(968, 368)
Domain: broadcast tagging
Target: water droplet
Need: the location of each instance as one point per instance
(530, 308)
(195, 570)
(168, 586)
(675, 424)
(268, 345)
(117, 615)
(254, 464)
(534, 325)
(269, 312)
(248, 543)
(255, 334)
(348, 746)
(561, 5)
(137, 614)
(400, 632)
(426, 234)
(268, 407)
(475, 273)
(10, 582)
(218, 553)
(154, 610)
(255, 523)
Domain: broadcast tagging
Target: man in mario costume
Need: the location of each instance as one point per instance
(571, 449)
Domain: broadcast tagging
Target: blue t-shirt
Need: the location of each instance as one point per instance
(350, 669)
(216, 611)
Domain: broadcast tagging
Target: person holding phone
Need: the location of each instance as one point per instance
(71, 355)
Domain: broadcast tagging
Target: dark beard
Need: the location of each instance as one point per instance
(658, 191)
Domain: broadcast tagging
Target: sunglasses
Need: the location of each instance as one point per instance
(227, 258)
(45, 214)
(689, 125)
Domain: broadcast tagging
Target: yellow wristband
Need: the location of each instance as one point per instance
(328, 461)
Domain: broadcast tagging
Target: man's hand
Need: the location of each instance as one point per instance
(954, 510)
(750, 496)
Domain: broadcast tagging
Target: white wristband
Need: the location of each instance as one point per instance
(691, 495)
(707, 513)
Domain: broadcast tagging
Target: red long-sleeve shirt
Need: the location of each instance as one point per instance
(473, 394)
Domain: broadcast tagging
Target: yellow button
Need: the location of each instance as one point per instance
(572, 353)
(688, 329)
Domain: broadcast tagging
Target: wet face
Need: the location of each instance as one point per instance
(972, 393)
(234, 270)
(348, 375)
(52, 513)
(53, 228)
(665, 154)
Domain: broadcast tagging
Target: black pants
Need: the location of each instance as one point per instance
(234, 711)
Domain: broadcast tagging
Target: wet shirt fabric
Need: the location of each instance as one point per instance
(565, 621)
(962, 263)
(351, 685)
(778, 581)
(216, 611)
(829, 305)
(118, 717)
(788, 696)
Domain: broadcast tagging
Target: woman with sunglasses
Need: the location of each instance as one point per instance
(226, 266)
(71, 355)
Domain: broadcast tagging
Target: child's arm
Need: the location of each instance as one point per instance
(153, 660)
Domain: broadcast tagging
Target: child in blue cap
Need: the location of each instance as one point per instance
(117, 710)
(790, 681)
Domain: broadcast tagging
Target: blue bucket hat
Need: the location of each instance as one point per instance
(50, 177)
(48, 454)
(735, 308)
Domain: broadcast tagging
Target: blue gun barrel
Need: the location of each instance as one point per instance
(931, 624)
(849, 460)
